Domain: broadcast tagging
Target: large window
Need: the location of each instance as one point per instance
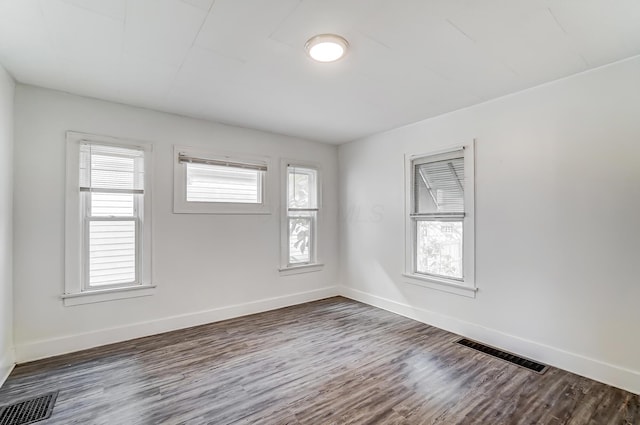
(107, 228)
(210, 183)
(300, 218)
(440, 218)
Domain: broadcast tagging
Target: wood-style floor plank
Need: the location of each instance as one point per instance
(330, 362)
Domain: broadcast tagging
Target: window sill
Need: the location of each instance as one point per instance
(451, 287)
(306, 268)
(102, 295)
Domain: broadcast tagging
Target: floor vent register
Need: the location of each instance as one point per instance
(511, 358)
(28, 411)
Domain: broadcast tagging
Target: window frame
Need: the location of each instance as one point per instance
(287, 268)
(182, 206)
(466, 285)
(76, 286)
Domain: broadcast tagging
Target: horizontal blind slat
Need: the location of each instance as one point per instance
(216, 183)
(111, 167)
(439, 186)
(112, 252)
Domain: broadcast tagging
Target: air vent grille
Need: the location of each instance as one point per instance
(511, 358)
(28, 411)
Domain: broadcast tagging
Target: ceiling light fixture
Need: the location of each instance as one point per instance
(326, 47)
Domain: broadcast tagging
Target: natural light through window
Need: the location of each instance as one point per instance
(215, 183)
(439, 248)
(440, 224)
(112, 189)
(107, 219)
(302, 213)
(209, 183)
(438, 215)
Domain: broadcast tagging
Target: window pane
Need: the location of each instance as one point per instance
(302, 189)
(216, 183)
(300, 229)
(112, 252)
(439, 248)
(109, 167)
(111, 204)
(439, 186)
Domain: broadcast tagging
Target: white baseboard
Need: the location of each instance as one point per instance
(7, 362)
(594, 369)
(597, 370)
(67, 344)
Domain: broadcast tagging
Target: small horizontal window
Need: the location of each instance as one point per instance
(210, 183)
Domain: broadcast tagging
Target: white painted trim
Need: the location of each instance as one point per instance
(7, 363)
(182, 206)
(597, 370)
(440, 285)
(35, 350)
(102, 295)
(306, 268)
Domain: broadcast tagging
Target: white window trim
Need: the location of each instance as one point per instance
(287, 269)
(180, 204)
(101, 295)
(74, 293)
(467, 285)
(304, 268)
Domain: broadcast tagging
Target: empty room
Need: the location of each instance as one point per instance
(319, 212)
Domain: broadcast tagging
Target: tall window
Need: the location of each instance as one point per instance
(439, 214)
(108, 222)
(112, 197)
(441, 217)
(301, 215)
(209, 183)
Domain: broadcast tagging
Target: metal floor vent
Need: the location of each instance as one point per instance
(511, 358)
(28, 411)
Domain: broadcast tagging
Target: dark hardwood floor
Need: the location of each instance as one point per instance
(333, 361)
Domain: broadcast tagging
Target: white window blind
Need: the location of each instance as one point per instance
(215, 183)
(438, 214)
(112, 189)
(223, 181)
(439, 187)
(111, 169)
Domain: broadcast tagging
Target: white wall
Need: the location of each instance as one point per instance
(558, 242)
(207, 267)
(7, 87)
(557, 228)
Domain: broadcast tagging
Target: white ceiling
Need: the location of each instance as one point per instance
(242, 61)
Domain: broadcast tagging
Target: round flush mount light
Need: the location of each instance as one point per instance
(326, 47)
